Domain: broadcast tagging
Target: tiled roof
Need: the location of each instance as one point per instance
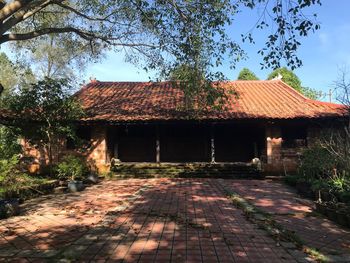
(147, 101)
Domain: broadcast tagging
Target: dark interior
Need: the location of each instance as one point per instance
(186, 142)
(238, 143)
(136, 143)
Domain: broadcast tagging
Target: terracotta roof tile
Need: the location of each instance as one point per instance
(147, 101)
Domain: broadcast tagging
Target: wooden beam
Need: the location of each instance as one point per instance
(116, 145)
(157, 145)
(212, 144)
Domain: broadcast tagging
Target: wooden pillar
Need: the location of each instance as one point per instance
(256, 150)
(116, 145)
(157, 145)
(212, 144)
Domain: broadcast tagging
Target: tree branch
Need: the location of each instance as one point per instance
(10, 8)
(44, 31)
(22, 15)
(89, 36)
(75, 11)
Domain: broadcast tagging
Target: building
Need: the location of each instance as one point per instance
(144, 122)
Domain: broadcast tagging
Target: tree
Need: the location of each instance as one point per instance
(288, 77)
(9, 144)
(13, 74)
(45, 112)
(337, 141)
(55, 55)
(247, 74)
(311, 93)
(163, 34)
(8, 76)
(293, 80)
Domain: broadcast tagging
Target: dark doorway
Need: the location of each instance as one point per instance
(238, 143)
(136, 143)
(184, 143)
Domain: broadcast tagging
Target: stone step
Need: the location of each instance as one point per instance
(187, 170)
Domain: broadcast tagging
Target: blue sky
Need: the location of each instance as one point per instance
(323, 52)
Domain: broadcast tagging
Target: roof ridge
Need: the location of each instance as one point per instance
(292, 89)
(168, 81)
(328, 103)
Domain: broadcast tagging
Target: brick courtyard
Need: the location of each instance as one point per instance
(294, 213)
(155, 220)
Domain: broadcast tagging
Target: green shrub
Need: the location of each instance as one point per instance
(317, 163)
(319, 184)
(9, 172)
(291, 179)
(9, 145)
(340, 183)
(71, 167)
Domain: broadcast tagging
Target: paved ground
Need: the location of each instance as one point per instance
(293, 213)
(157, 220)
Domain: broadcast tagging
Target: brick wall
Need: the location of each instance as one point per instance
(97, 153)
(273, 148)
(280, 158)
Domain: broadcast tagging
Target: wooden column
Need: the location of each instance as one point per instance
(157, 145)
(116, 144)
(212, 144)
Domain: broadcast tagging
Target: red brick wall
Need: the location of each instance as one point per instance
(97, 155)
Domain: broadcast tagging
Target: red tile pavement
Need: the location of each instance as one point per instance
(155, 220)
(293, 212)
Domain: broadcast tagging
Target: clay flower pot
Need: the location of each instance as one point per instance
(9, 207)
(304, 188)
(75, 186)
(321, 208)
(92, 178)
(342, 218)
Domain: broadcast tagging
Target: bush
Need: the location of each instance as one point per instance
(71, 167)
(9, 172)
(291, 179)
(319, 184)
(9, 145)
(340, 183)
(317, 163)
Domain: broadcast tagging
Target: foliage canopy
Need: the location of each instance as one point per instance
(247, 74)
(45, 112)
(161, 35)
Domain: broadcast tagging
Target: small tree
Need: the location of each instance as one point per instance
(9, 145)
(337, 142)
(247, 74)
(45, 112)
(289, 77)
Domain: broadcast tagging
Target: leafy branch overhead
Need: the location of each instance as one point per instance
(162, 31)
(159, 35)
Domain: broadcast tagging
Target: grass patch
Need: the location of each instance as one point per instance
(24, 183)
(266, 222)
(314, 253)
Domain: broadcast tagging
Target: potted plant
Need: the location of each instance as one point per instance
(9, 207)
(92, 178)
(304, 188)
(321, 207)
(342, 216)
(73, 169)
